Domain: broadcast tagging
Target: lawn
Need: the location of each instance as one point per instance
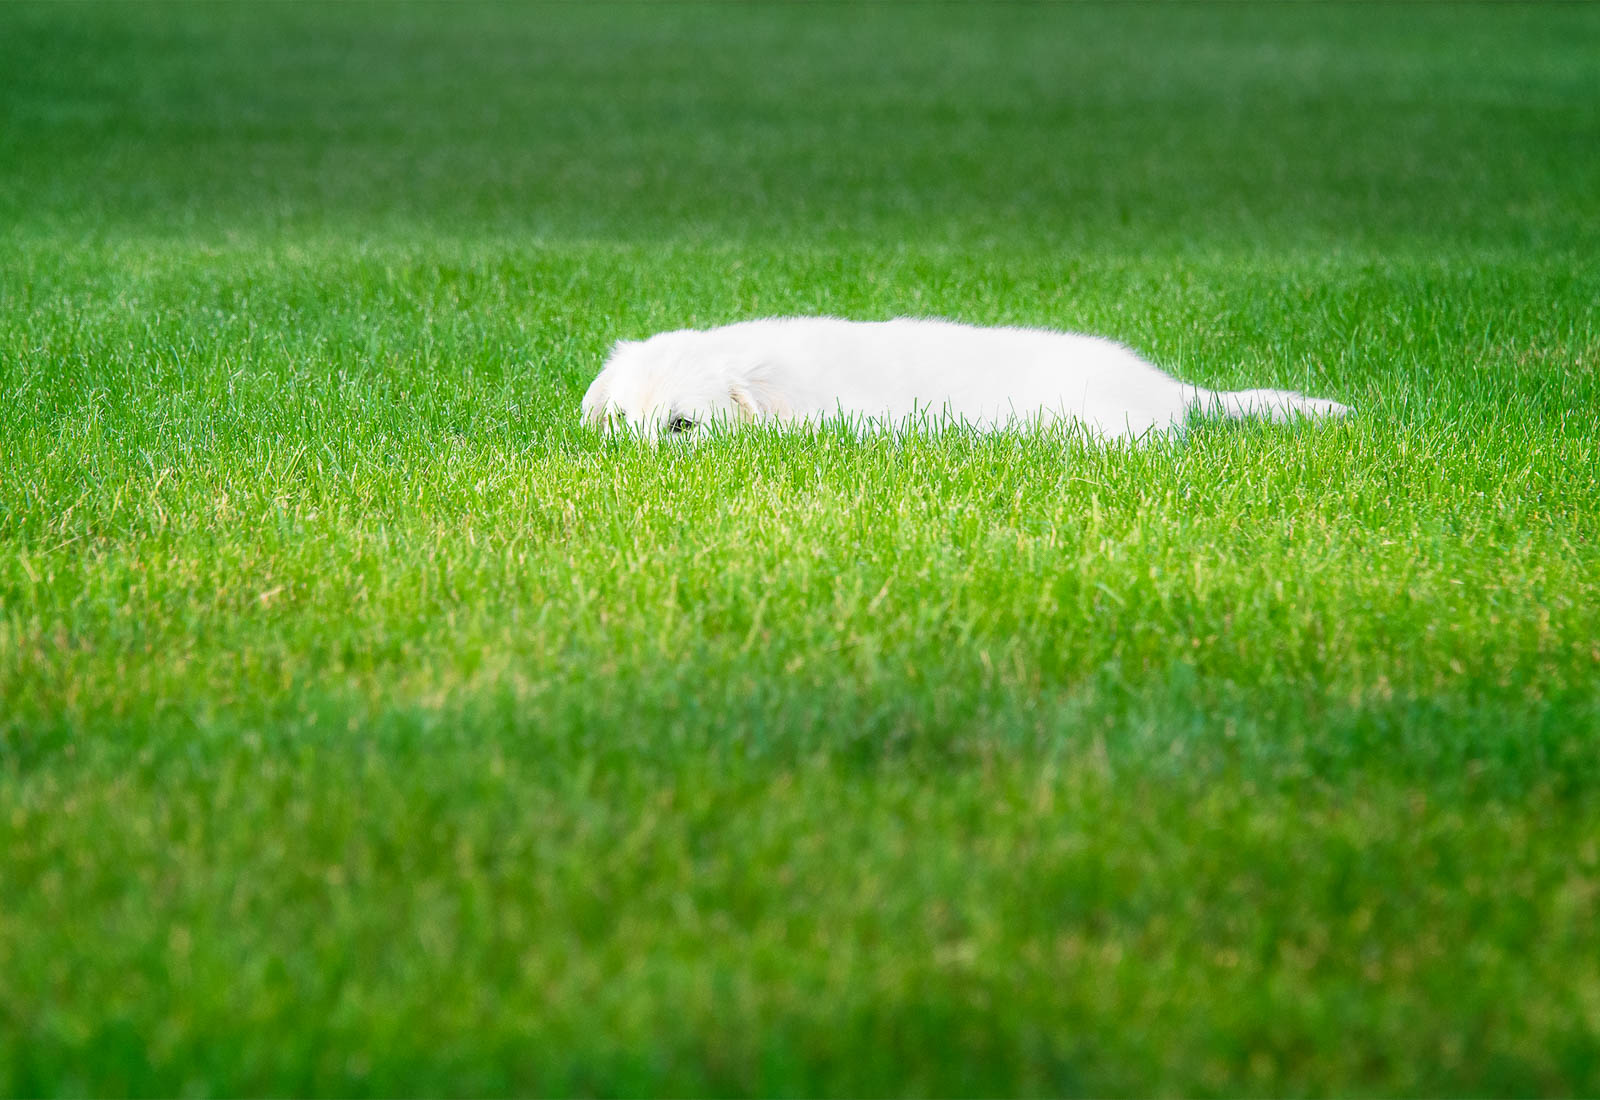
(369, 727)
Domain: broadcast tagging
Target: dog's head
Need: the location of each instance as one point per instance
(676, 385)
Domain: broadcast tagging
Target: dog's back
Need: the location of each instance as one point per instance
(986, 377)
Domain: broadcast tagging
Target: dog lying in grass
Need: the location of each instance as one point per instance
(901, 373)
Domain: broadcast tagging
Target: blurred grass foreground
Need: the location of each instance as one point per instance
(368, 727)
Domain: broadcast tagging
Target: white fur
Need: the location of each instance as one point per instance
(891, 373)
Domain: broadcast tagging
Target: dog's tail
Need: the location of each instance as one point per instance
(1276, 405)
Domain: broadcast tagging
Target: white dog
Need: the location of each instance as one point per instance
(902, 372)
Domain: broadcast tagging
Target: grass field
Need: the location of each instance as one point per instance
(367, 727)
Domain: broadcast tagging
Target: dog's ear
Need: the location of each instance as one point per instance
(746, 403)
(757, 399)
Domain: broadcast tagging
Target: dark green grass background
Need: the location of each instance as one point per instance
(367, 727)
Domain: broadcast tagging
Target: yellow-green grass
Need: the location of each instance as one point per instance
(366, 726)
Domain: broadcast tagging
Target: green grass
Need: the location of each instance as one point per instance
(368, 727)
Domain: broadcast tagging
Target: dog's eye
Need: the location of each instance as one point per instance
(680, 424)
